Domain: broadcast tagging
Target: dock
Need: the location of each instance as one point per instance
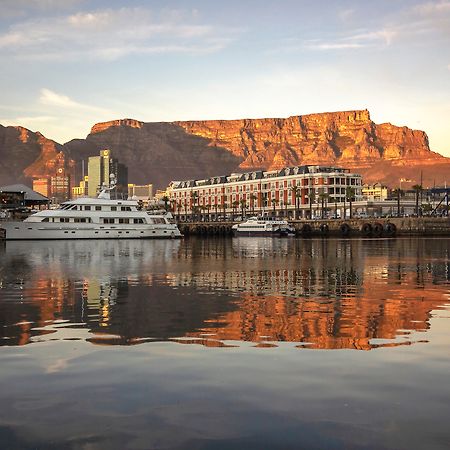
(357, 227)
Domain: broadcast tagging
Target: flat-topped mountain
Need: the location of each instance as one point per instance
(165, 151)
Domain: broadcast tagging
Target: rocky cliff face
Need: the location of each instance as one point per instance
(25, 155)
(347, 138)
(161, 152)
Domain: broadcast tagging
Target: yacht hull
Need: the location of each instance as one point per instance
(278, 233)
(49, 231)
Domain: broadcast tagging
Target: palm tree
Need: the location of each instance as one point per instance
(295, 190)
(224, 207)
(417, 189)
(166, 200)
(350, 194)
(323, 198)
(194, 198)
(243, 206)
(235, 206)
(274, 202)
(312, 197)
(399, 193)
(253, 197)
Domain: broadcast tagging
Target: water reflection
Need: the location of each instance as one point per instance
(328, 294)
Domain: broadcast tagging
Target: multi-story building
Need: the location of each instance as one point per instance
(43, 186)
(307, 190)
(375, 192)
(143, 193)
(82, 189)
(100, 169)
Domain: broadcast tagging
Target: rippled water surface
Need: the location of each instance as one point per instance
(245, 343)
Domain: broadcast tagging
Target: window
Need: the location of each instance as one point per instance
(87, 208)
(124, 208)
(122, 220)
(138, 220)
(81, 220)
(108, 220)
(98, 208)
(114, 208)
(64, 219)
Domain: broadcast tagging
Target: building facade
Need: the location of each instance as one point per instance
(375, 192)
(305, 191)
(142, 193)
(100, 169)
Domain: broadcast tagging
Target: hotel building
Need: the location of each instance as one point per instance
(100, 169)
(309, 190)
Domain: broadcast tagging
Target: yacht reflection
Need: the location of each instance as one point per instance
(328, 294)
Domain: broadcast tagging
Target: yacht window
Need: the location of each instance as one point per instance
(124, 220)
(98, 208)
(45, 220)
(125, 208)
(81, 219)
(113, 208)
(138, 220)
(64, 219)
(108, 220)
(87, 208)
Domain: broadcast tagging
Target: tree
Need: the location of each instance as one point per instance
(295, 191)
(312, 198)
(323, 199)
(350, 195)
(194, 196)
(417, 188)
(166, 200)
(235, 206)
(224, 208)
(398, 192)
(253, 197)
(274, 202)
(243, 204)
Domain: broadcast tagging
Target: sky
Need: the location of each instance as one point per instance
(68, 64)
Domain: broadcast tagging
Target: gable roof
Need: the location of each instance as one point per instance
(30, 195)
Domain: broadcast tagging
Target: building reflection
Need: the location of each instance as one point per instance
(328, 294)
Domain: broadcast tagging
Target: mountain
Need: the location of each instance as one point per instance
(25, 155)
(161, 152)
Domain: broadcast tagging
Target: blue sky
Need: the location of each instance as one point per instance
(67, 64)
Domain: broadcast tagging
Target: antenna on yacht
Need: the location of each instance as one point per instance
(105, 191)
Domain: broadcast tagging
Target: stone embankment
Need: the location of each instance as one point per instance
(368, 227)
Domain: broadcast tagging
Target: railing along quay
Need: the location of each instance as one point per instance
(365, 227)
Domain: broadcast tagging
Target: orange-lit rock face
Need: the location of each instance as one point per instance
(162, 152)
(25, 155)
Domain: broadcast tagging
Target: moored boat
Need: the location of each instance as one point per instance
(93, 218)
(256, 226)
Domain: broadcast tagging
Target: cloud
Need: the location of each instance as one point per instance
(432, 8)
(346, 14)
(110, 34)
(50, 98)
(361, 39)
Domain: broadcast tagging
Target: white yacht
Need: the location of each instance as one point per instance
(257, 226)
(93, 218)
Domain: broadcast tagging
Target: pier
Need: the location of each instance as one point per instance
(357, 227)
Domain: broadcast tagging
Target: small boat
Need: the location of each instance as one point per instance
(93, 218)
(259, 226)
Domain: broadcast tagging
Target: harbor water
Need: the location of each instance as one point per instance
(220, 343)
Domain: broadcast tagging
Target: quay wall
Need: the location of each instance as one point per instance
(368, 227)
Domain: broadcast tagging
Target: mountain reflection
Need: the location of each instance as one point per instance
(330, 294)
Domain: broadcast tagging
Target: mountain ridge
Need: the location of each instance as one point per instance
(159, 152)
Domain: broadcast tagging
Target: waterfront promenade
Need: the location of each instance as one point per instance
(368, 227)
